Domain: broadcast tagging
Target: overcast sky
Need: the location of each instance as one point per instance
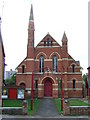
(53, 16)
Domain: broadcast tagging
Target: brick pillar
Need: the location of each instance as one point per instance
(25, 107)
(66, 107)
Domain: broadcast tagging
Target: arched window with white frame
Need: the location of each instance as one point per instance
(55, 63)
(41, 64)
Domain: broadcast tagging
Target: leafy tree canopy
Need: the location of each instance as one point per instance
(84, 77)
(11, 81)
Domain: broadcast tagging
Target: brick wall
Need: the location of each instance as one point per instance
(1, 70)
(79, 110)
(1, 65)
(89, 82)
(75, 110)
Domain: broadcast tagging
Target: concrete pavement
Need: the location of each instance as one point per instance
(18, 117)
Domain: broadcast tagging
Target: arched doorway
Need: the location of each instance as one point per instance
(47, 87)
(22, 85)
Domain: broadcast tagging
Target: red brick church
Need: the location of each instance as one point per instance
(47, 62)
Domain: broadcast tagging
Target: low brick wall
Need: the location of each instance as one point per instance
(12, 110)
(16, 110)
(80, 110)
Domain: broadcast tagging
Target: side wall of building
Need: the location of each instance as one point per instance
(1, 70)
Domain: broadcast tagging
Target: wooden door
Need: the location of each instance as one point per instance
(48, 88)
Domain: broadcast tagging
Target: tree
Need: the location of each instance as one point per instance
(11, 81)
(84, 78)
(84, 81)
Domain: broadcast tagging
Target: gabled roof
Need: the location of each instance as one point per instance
(1, 41)
(46, 38)
(77, 62)
(20, 63)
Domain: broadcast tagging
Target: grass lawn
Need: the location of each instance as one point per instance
(36, 103)
(58, 105)
(18, 103)
(73, 102)
(77, 102)
(12, 103)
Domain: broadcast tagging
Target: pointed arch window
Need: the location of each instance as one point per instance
(73, 68)
(51, 43)
(73, 83)
(44, 43)
(23, 68)
(55, 64)
(41, 64)
(48, 42)
(36, 84)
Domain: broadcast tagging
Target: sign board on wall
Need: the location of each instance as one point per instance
(4, 93)
(20, 94)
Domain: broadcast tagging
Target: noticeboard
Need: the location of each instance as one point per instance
(4, 94)
(20, 94)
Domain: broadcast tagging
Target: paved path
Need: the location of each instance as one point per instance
(47, 108)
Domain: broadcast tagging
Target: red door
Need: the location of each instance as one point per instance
(48, 88)
(12, 93)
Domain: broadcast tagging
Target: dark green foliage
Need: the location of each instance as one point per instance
(11, 81)
(77, 102)
(58, 105)
(12, 103)
(84, 77)
(36, 103)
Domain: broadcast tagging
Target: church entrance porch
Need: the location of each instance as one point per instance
(48, 88)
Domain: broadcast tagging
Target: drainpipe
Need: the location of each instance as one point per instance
(61, 94)
(32, 93)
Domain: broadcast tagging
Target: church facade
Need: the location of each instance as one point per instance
(47, 64)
